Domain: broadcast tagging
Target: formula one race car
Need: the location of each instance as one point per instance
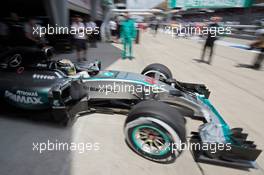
(154, 102)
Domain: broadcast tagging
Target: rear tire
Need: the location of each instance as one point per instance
(155, 131)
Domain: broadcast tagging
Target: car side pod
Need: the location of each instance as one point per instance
(241, 154)
(66, 115)
(69, 102)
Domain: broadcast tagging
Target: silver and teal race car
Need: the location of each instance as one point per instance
(155, 104)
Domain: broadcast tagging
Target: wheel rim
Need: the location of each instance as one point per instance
(151, 140)
(156, 75)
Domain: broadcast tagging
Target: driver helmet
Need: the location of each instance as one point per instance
(67, 67)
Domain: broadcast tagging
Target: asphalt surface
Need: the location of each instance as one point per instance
(237, 93)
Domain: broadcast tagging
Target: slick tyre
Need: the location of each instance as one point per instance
(155, 131)
(157, 70)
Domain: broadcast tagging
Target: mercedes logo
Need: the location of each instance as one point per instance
(15, 60)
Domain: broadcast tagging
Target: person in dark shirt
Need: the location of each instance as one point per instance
(16, 36)
(211, 38)
(31, 39)
(258, 44)
(3, 33)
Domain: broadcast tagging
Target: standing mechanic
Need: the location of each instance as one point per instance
(210, 40)
(128, 34)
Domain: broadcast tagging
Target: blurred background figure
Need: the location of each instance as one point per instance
(3, 33)
(113, 27)
(259, 44)
(16, 32)
(31, 38)
(92, 37)
(128, 34)
(107, 7)
(155, 27)
(79, 38)
(210, 40)
(118, 29)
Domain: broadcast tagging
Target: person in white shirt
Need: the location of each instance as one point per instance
(79, 38)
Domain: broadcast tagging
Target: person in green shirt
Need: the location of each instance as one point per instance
(128, 34)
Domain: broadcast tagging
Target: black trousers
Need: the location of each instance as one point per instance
(92, 39)
(208, 45)
(259, 59)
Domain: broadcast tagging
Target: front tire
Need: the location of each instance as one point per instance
(157, 71)
(155, 131)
